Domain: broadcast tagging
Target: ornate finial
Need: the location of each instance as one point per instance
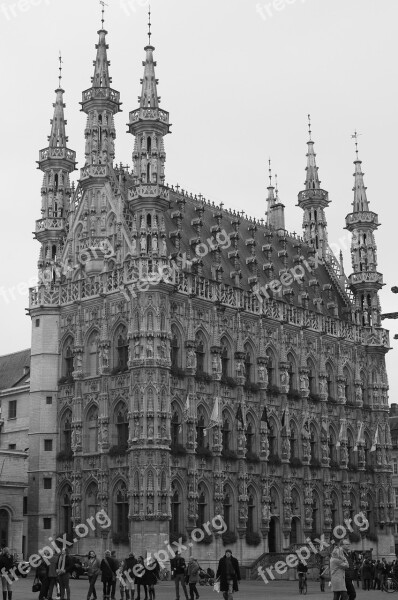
(60, 70)
(355, 136)
(276, 186)
(149, 26)
(102, 12)
(309, 126)
(269, 172)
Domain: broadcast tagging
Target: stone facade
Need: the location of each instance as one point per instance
(189, 385)
(14, 428)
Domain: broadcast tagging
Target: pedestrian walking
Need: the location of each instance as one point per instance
(52, 575)
(128, 578)
(150, 578)
(6, 563)
(93, 570)
(108, 574)
(349, 574)
(113, 586)
(338, 565)
(324, 575)
(229, 574)
(65, 566)
(178, 568)
(193, 577)
(41, 576)
(140, 580)
(367, 573)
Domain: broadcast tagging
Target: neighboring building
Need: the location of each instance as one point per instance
(394, 463)
(125, 377)
(14, 429)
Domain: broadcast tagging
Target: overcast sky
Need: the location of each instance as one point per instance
(238, 78)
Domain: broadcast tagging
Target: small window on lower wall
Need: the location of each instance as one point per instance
(48, 445)
(49, 399)
(47, 481)
(37, 322)
(46, 523)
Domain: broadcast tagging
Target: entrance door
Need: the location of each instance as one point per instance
(4, 523)
(272, 543)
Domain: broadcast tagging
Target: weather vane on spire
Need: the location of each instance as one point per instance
(60, 69)
(270, 172)
(149, 25)
(103, 4)
(309, 126)
(355, 136)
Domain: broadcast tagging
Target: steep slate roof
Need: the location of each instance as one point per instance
(12, 369)
(321, 274)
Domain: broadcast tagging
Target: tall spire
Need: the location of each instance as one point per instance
(149, 124)
(100, 103)
(365, 281)
(275, 212)
(56, 161)
(313, 200)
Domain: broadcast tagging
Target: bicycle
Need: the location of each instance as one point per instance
(390, 585)
(302, 583)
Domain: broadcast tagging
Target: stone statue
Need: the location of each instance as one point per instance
(323, 386)
(155, 244)
(164, 247)
(266, 515)
(191, 359)
(137, 349)
(340, 390)
(303, 383)
(261, 373)
(143, 243)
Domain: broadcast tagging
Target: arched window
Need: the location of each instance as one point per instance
(367, 447)
(68, 358)
(92, 506)
(334, 510)
(175, 428)
(202, 504)
(248, 364)
(92, 430)
(122, 425)
(350, 449)
(200, 431)
(332, 447)
(66, 511)
(224, 359)
(175, 348)
(270, 368)
(66, 429)
(272, 441)
(200, 353)
(4, 527)
(122, 349)
(292, 373)
(251, 508)
(313, 443)
(315, 513)
(121, 509)
(293, 441)
(330, 381)
(226, 435)
(348, 385)
(93, 354)
(311, 376)
(250, 438)
(175, 512)
(227, 505)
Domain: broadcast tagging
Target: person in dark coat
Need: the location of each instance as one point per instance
(367, 573)
(42, 576)
(65, 566)
(108, 573)
(140, 579)
(229, 574)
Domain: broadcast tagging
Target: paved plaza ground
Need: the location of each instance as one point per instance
(249, 590)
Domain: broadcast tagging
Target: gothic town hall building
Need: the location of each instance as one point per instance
(156, 310)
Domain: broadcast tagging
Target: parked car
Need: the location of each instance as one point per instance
(80, 567)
